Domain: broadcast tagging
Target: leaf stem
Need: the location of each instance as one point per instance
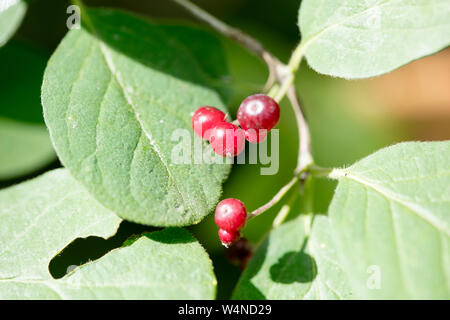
(320, 172)
(305, 157)
(233, 33)
(293, 66)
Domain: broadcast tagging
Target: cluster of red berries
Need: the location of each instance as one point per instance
(230, 217)
(257, 115)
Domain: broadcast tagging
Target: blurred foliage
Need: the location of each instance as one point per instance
(24, 141)
(342, 130)
(22, 67)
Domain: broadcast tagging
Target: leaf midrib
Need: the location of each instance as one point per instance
(153, 143)
(104, 50)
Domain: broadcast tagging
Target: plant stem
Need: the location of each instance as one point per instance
(293, 65)
(304, 176)
(244, 39)
(305, 157)
(273, 91)
(320, 172)
(275, 199)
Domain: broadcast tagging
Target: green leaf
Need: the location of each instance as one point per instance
(22, 67)
(289, 264)
(391, 219)
(359, 39)
(40, 217)
(25, 144)
(24, 147)
(114, 95)
(11, 15)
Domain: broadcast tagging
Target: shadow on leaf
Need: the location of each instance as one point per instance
(171, 235)
(84, 250)
(294, 267)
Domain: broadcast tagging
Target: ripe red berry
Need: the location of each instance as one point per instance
(206, 118)
(255, 136)
(227, 139)
(231, 215)
(258, 112)
(227, 237)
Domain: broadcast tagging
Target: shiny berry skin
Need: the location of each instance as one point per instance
(258, 112)
(227, 139)
(255, 136)
(231, 215)
(228, 238)
(206, 118)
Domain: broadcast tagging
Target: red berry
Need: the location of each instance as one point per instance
(231, 215)
(258, 112)
(227, 237)
(227, 139)
(255, 136)
(206, 118)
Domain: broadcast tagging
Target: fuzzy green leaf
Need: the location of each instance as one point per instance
(359, 39)
(40, 217)
(391, 219)
(11, 15)
(113, 97)
(291, 265)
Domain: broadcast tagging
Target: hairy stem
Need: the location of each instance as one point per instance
(304, 155)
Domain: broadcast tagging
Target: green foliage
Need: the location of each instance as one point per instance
(390, 214)
(11, 15)
(40, 217)
(295, 261)
(113, 96)
(117, 92)
(25, 145)
(359, 39)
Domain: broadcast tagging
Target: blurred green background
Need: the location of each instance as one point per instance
(348, 119)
